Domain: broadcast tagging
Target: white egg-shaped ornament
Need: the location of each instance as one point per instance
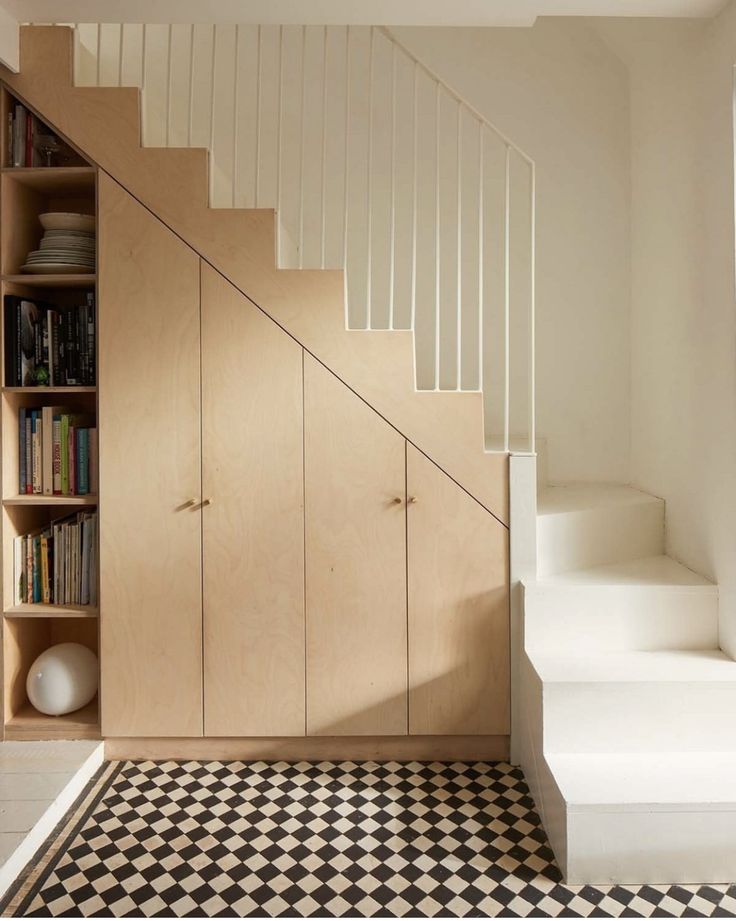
(62, 679)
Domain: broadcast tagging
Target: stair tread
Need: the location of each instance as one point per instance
(651, 571)
(556, 500)
(670, 665)
(645, 781)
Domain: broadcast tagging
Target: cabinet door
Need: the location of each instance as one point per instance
(458, 608)
(356, 563)
(253, 530)
(149, 444)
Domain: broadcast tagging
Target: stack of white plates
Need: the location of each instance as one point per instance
(67, 246)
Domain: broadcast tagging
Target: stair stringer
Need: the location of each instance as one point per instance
(104, 123)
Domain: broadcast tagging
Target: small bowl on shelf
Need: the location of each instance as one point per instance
(63, 220)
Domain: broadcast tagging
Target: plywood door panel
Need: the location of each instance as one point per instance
(149, 443)
(458, 608)
(253, 530)
(356, 563)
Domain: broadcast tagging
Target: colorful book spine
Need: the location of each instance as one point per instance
(72, 460)
(29, 454)
(64, 447)
(36, 541)
(29, 569)
(37, 454)
(56, 448)
(94, 477)
(45, 585)
(22, 450)
(82, 458)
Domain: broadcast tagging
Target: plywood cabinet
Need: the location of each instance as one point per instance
(253, 524)
(276, 559)
(355, 527)
(149, 432)
(458, 608)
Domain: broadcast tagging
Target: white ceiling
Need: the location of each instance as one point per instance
(384, 12)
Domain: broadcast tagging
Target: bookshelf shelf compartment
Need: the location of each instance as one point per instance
(51, 610)
(29, 724)
(41, 391)
(50, 500)
(54, 179)
(51, 281)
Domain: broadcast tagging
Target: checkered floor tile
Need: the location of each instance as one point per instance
(301, 840)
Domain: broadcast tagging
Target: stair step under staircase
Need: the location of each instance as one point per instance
(654, 817)
(579, 527)
(638, 701)
(647, 604)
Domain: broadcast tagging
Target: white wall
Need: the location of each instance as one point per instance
(562, 94)
(683, 319)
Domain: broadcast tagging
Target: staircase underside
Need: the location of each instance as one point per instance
(104, 124)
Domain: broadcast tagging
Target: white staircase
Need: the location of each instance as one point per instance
(629, 703)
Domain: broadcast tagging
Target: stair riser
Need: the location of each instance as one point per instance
(651, 847)
(594, 537)
(639, 716)
(558, 620)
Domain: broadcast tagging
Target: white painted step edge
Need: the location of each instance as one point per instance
(50, 818)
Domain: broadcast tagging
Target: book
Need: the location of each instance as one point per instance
(56, 455)
(19, 135)
(94, 482)
(64, 451)
(22, 450)
(37, 447)
(29, 454)
(18, 570)
(82, 460)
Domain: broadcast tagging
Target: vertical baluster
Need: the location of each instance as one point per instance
(459, 331)
(143, 84)
(324, 147)
(236, 83)
(257, 157)
(369, 186)
(532, 307)
(120, 54)
(506, 297)
(392, 193)
(301, 150)
(481, 257)
(437, 323)
(168, 86)
(191, 85)
(414, 229)
(212, 104)
(346, 185)
(279, 131)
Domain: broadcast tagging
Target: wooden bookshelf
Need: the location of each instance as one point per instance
(29, 724)
(40, 391)
(51, 500)
(51, 610)
(51, 281)
(31, 628)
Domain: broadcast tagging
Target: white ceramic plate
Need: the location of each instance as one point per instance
(56, 268)
(62, 220)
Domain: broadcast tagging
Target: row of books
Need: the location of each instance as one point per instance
(49, 346)
(57, 564)
(24, 129)
(58, 453)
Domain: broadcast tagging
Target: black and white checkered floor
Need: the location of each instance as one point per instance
(368, 840)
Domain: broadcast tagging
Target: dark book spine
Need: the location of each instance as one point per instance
(82, 342)
(18, 345)
(45, 342)
(10, 340)
(69, 340)
(22, 447)
(91, 348)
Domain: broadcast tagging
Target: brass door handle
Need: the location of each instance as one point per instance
(412, 500)
(188, 504)
(398, 501)
(202, 503)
